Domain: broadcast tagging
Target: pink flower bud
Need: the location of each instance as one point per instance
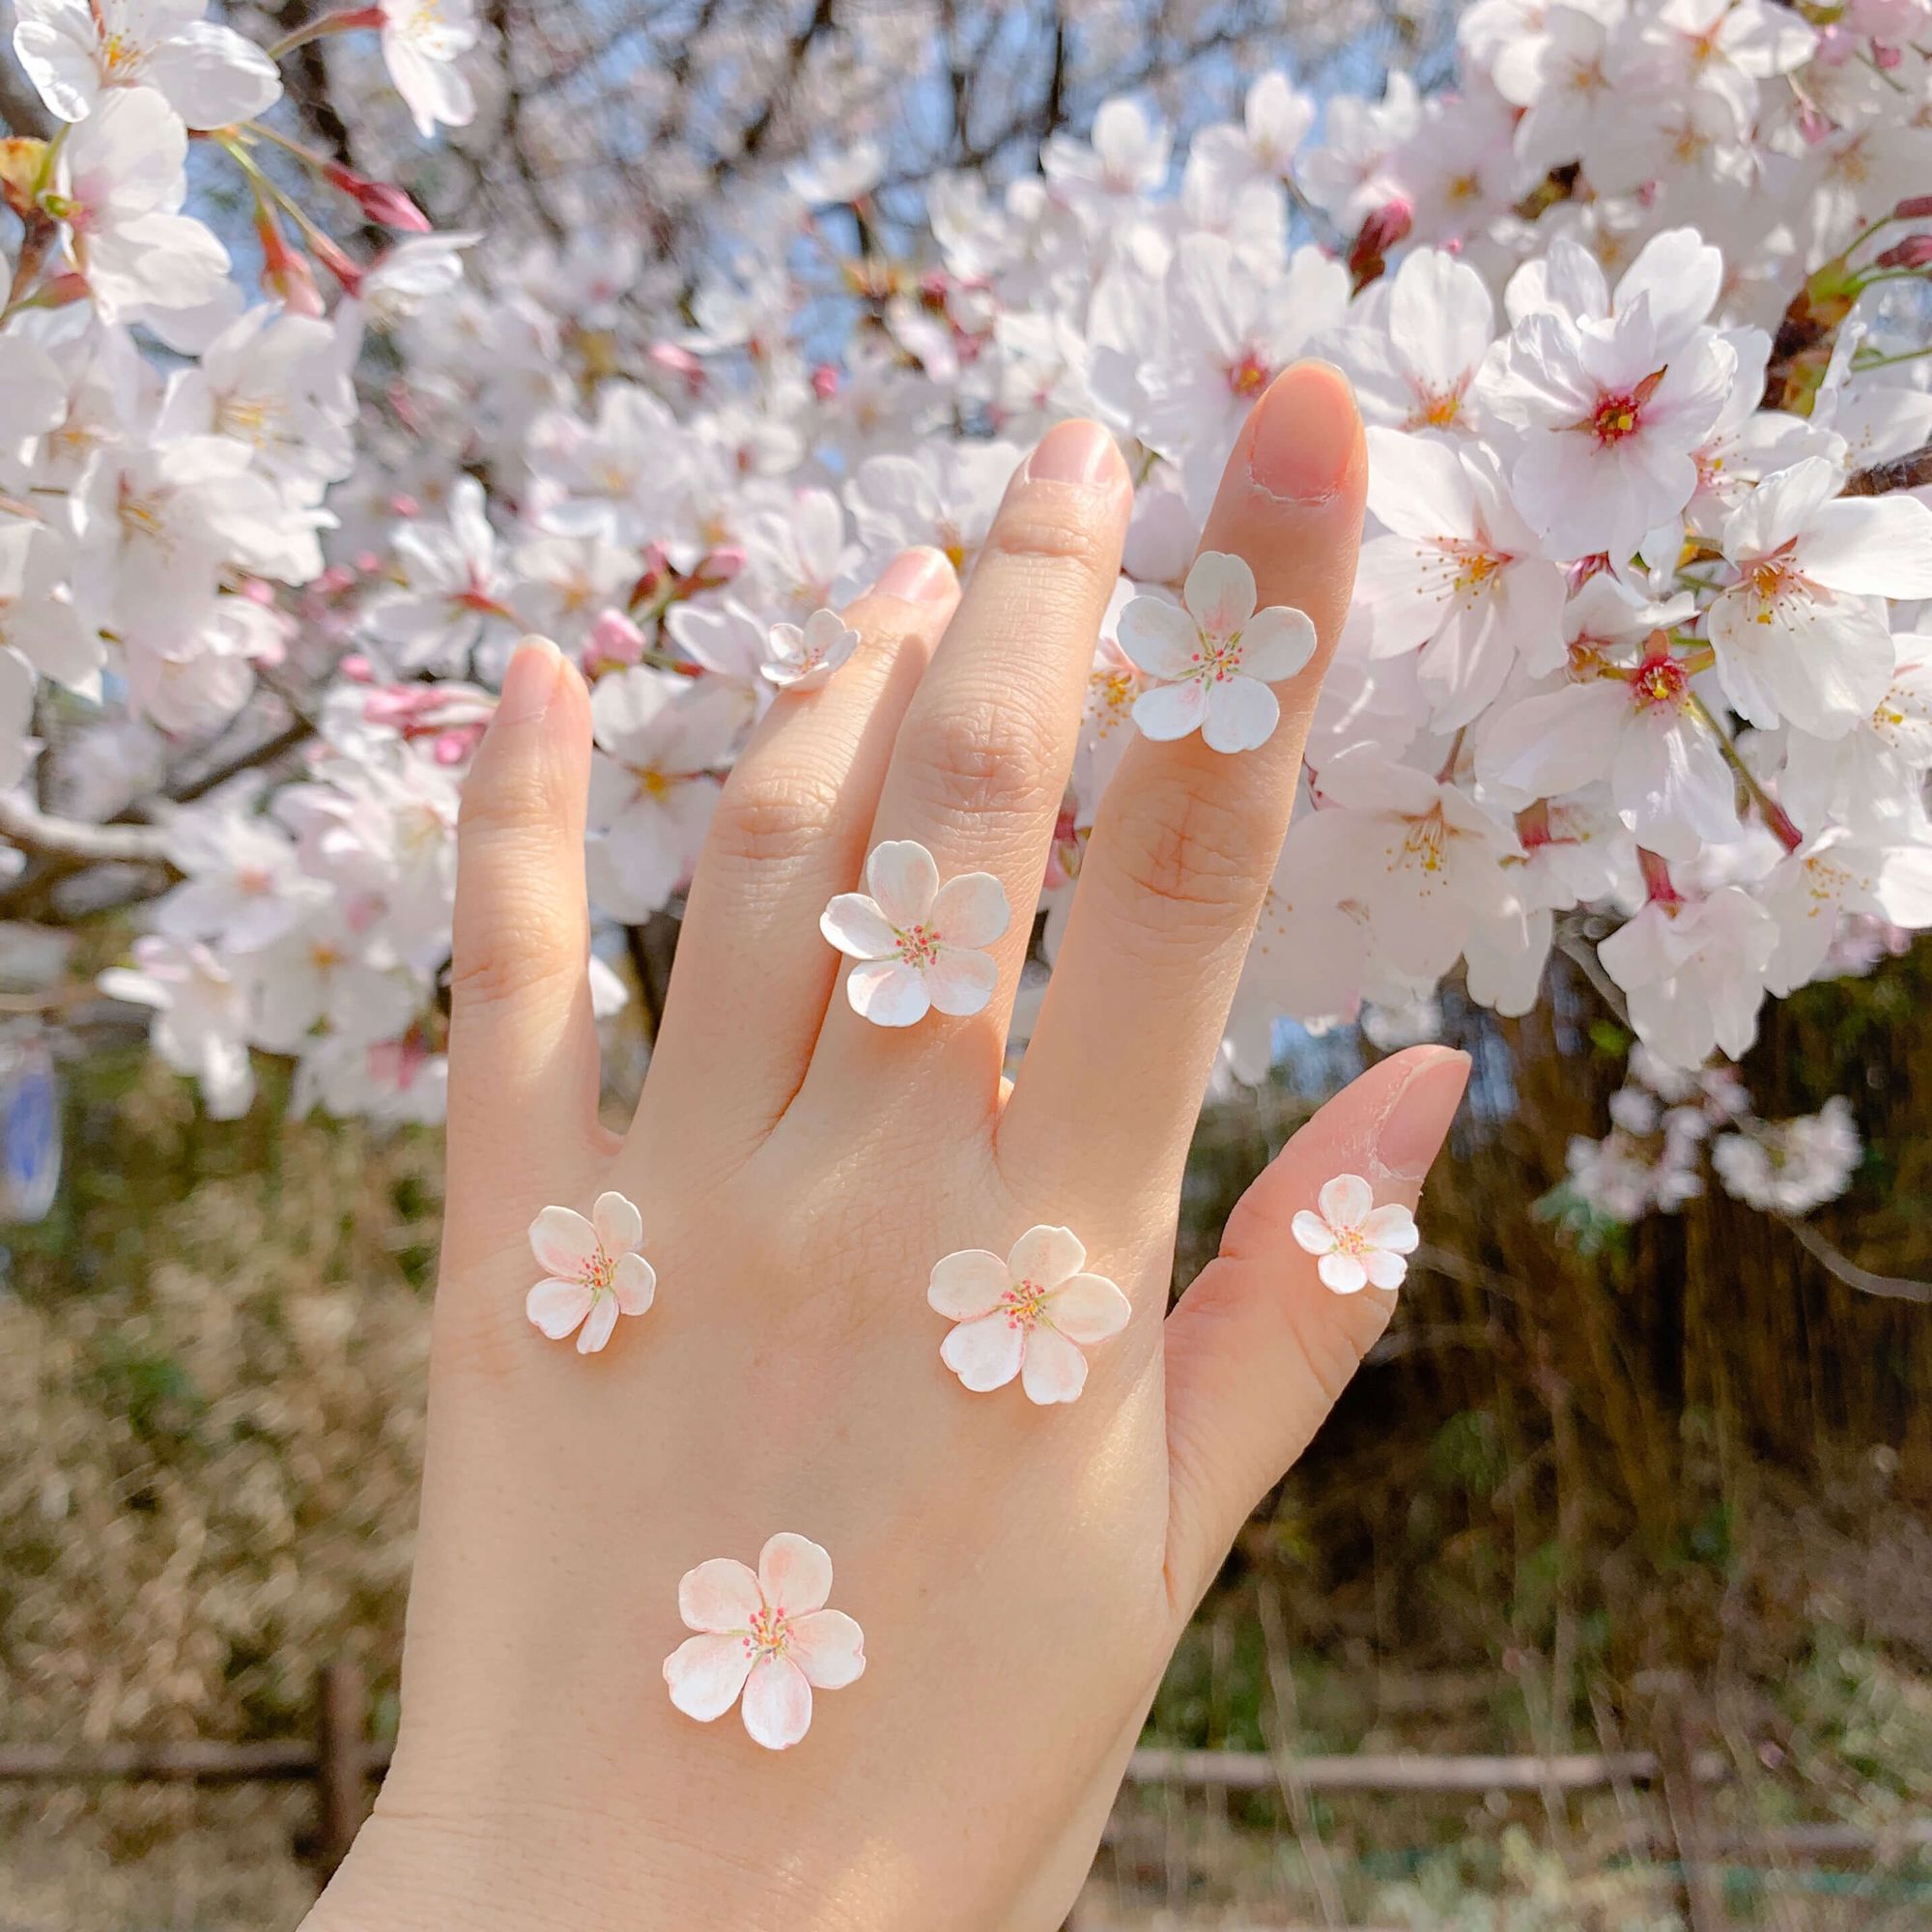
(722, 565)
(381, 201)
(356, 668)
(284, 272)
(1914, 252)
(676, 360)
(1885, 56)
(1913, 207)
(614, 640)
(824, 382)
(339, 264)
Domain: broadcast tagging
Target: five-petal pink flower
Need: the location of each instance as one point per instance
(766, 1633)
(1357, 1242)
(1212, 662)
(918, 943)
(1029, 1314)
(594, 1272)
(804, 658)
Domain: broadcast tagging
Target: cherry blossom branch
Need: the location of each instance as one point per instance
(1904, 473)
(77, 841)
(1889, 1286)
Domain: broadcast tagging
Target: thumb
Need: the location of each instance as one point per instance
(1257, 1349)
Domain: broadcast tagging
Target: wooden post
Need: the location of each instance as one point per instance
(341, 1764)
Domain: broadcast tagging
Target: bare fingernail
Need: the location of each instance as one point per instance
(530, 682)
(1075, 452)
(1412, 1132)
(919, 575)
(1304, 434)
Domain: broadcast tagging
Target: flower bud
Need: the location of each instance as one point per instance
(383, 202)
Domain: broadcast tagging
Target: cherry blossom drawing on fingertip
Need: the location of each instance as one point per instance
(1356, 1244)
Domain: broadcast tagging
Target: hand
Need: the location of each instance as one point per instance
(1021, 1573)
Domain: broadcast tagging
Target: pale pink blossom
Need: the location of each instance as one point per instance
(804, 657)
(1030, 1314)
(918, 944)
(595, 1272)
(767, 1635)
(1212, 660)
(1356, 1242)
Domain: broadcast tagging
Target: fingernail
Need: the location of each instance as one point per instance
(1417, 1123)
(1304, 434)
(919, 575)
(528, 682)
(1075, 452)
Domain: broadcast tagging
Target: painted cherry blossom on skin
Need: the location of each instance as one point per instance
(765, 1635)
(918, 944)
(1357, 1242)
(1212, 662)
(804, 657)
(595, 1272)
(1029, 1313)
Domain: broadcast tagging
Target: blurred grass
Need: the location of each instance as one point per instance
(1677, 1490)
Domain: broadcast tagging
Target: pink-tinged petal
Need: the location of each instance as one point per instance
(968, 1285)
(1220, 593)
(705, 1675)
(557, 1307)
(1277, 642)
(971, 910)
(830, 1648)
(563, 1241)
(985, 1354)
(618, 1224)
(887, 992)
(1159, 636)
(1054, 1369)
(904, 877)
(1346, 1201)
(1312, 1233)
(1392, 1227)
(778, 1703)
(634, 1283)
(794, 1574)
(961, 982)
(1241, 716)
(1171, 711)
(598, 1325)
(1087, 1309)
(721, 1595)
(858, 928)
(1046, 1256)
(1344, 1273)
(1383, 1268)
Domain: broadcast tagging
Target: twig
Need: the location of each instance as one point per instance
(1892, 1287)
(1287, 1768)
(77, 840)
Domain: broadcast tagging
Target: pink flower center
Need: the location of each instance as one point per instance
(1248, 375)
(1024, 1302)
(1216, 660)
(1620, 413)
(919, 945)
(770, 1634)
(1350, 1241)
(599, 1270)
(1660, 680)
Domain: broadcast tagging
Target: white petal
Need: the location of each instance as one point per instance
(904, 877)
(721, 1595)
(1220, 593)
(795, 1574)
(959, 981)
(1346, 1201)
(1384, 1270)
(1277, 642)
(1088, 1308)
(634, 1283)
(557, 1307)
(618, 1224)
(1241, 716)
(985, 1354)
(563, 1241)
(1046, 1256)
(778, 1703)
(887, 992)
(705, 1675)
(1392, 1227)
(1171, 711)
(598, 1325)
(1344, 1273)
(1157, 635)
(968, 1285)
(1054, 1369)
(1312, 1233)
(971, 910)
(857, 927)
(830, 1648)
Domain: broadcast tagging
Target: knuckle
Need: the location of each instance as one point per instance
(987, 757)
(1056, 533)
(1191, 868)
(771, 818)
(519, 951)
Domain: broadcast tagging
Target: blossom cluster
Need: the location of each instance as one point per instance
(1635, 310)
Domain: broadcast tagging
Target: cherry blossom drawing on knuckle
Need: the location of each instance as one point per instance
(1031, 1313)
(765, 1642)
(594, 1272)
(1357, 1244)
(918, 946)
